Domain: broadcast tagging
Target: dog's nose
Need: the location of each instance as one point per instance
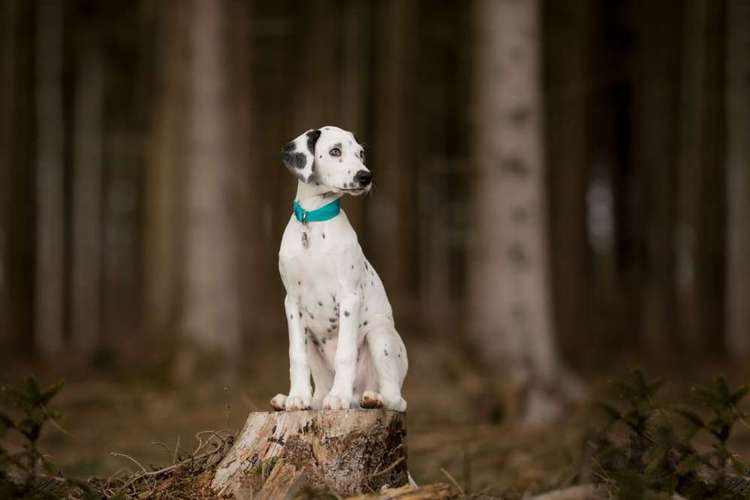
(363, 177)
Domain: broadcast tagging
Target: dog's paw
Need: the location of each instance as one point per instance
(396, 402)
(295, 403)
(334, 402)
(371, 399)
(278, 402)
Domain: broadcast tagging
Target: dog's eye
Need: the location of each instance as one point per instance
(335, 152)
(362, 155)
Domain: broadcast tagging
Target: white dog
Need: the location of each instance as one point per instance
(341, 327)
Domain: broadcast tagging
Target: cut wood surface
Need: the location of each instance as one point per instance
(347, 452)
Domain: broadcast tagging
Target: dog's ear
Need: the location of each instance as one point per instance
(299, 155)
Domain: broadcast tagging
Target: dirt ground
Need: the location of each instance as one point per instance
(456, 426)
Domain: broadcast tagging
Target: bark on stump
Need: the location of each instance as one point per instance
(349, 452)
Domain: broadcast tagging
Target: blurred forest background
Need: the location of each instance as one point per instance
(560, 187)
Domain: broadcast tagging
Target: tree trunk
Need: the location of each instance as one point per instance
(345, 451)
(509, 288)
(88, 168)
(699, 228)
(50, 189)
(7, 53)
(738, 180)
(211, 307)
(354, 84)
(165, 160)
(391, 210)
(568, 110)
(654, 150)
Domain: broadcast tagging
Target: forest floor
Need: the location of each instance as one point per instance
(456, 429)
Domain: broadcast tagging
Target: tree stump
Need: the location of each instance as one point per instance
(348, 452)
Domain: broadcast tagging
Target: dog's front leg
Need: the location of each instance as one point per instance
(300, 392)
(340, 396)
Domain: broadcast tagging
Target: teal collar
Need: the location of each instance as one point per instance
(324, 213)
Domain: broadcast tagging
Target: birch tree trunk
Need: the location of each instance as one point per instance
(211, 305)
(50, 190)
(509, 289)
(738, 180)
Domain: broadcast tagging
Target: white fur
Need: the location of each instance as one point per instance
(340, 322)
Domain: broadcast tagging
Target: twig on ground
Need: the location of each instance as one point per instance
(453, 480)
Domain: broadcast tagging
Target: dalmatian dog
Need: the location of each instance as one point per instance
(341, 329)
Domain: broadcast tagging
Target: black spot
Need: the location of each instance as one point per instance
(520, 116)
(352, 266)
(515, 166)
(517, 255)
(328, 330)
(385, 351)
(332, 320)
(324, 235)
(346, 313)
(312, 138)
(289, 147)
(300, 314)
(305, 341)
(294, 160)
(519, 214)
(365, 323)
(320, 303)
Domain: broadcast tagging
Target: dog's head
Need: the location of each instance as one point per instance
(331, 157)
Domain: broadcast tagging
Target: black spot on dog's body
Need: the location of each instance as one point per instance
(346, 313)
(332, 320)
(320, 303)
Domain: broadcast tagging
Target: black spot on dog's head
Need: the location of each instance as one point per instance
(312, 139)
(294, 160)
(289, 147)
